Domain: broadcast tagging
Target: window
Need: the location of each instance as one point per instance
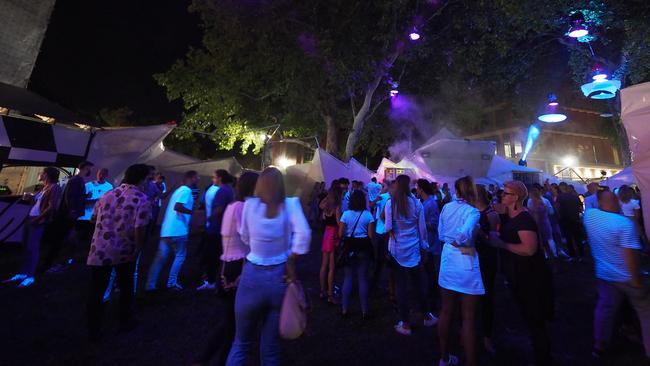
(518, 149)
(507, 150)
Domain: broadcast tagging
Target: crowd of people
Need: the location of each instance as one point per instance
(411, 238)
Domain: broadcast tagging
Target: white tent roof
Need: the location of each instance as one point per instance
(324, 167)
(625, 176)
(457, 157)
(117, 148)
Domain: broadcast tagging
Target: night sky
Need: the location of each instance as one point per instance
(102, 54)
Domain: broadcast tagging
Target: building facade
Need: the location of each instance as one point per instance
(570, 150)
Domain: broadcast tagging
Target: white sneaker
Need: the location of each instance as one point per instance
(453, 360)
(430, 320)
(18, 277)
(206, 286)
(402, 329)
(27, 282)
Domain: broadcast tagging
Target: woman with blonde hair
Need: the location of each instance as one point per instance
(276, 230)
(523, 263)
(460, 273)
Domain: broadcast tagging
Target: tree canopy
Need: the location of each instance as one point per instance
(319, 67)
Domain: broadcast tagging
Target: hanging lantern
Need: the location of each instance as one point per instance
(394, 91)
(550, 113)
(578, 28)
(598, 73)
(601, 89)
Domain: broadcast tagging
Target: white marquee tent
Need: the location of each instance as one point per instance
(635, 113)
(625, 176)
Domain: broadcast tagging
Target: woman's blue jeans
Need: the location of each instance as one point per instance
(360, 267)
(257, 314)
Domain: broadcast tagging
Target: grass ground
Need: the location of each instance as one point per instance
(45, 324)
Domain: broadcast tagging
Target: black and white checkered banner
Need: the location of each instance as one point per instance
(27, 142)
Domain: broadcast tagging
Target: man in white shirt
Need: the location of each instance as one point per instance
(374, 189)
(591, 201)
(616, 250)
(94, 191)
(174, 232)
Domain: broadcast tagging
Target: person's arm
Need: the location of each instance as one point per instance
(387, 216)
(422, 228)
(301, 238)
(628, 239)
(631, 257)
(50, 207)
(527, 248)
(342, 228)
(243, 228)
(466, 231)
(178, 206)
(371, 230)
(142, 219)
(323, 203)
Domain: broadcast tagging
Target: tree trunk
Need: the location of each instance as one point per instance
(332, 142)
(365, 110)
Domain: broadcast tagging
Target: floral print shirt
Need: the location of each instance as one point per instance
(118, 213)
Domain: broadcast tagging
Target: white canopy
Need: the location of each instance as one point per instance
(455, 157)
(635, 113)
(323, 168)
(625, 176)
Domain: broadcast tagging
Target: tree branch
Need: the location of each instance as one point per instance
(256, 98)
(374, 109)
(352, 105)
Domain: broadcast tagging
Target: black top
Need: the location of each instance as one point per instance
(73, 204)
(570, 206)
(521, 270)
(484, 225)
(330, 220)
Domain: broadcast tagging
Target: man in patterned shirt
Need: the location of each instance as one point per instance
(122, 216)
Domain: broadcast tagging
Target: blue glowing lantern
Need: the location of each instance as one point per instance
(551, 113)
(601, 89)
(578, 28)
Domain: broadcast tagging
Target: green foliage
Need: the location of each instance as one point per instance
(292, 62)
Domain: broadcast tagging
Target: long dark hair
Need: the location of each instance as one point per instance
(334, 197)
(400, 197)
(357, 201)
(246, 185)
(482, 194)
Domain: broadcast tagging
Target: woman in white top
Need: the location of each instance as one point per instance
(460, 274)
(357, 227)
(276, 230)
(407, 233)
(232, 261)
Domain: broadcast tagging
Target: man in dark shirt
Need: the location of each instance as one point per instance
(569, 211)
(212, 245)
(72, 207)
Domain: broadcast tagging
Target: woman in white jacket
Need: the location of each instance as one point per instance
(460, 274)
